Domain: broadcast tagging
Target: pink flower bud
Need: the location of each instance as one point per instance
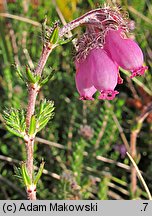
(104, 73)
(83, 79)
(125, 52)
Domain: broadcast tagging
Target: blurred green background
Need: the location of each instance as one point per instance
(84, 145)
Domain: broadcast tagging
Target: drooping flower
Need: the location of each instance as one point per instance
(83, 79)
(125, 52)
(104, 73)
(96, 72)
(101, 50)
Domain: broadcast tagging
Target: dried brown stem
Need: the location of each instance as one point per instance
(133, 151)
(101, 133)
(70, 136)
(23, 19)
(123, 137)
(133, 140)
(14, 43)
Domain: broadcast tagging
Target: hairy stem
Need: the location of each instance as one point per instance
(43, 59)
(31, 194)
(29, 148)
(97, 17)
(32, 95)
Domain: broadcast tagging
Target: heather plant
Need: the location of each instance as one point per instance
(102, 55)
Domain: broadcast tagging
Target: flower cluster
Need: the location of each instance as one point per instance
(100, 54)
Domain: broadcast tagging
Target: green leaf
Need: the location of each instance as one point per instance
(25, 176)
(18, 173)
(44, 28)
(19, 73)
(30, 76)
(32, 128)
(15, 121)
(14, 132)
(55, 35)
(39, 173)
(42, 103)
(47, 79)
(44, 114)
(62, 41)
(37, 78)
(43, 124)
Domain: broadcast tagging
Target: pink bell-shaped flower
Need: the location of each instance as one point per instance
(83, 79)
(104, 73)
(125, 52)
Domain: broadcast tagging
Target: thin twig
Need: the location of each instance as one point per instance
(120, 189)
(9, 159)
(50, 143)
(10, 184)
(133, 140)
(101, 133)
(133, 10)
(101, 158)
(122, 134)
(114, 195)
(70, 135)
(14, 43)
(14, 161)
(132, 88)
(140, 177)
(107, 160)
(23, 19)
(138, 82)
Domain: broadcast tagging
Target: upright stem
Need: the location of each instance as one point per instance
(29, 148)
(43, 59)
(32, 95)
(31, 193)
(133, 151)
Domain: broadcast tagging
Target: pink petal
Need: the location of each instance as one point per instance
(108, 94)
(83, 79)
(125, 52)
(104, 73)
